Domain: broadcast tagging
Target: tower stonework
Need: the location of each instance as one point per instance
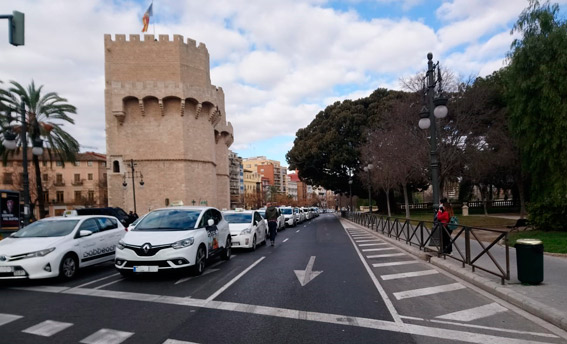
(162, 112)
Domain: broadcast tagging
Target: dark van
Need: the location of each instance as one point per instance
(118, 213)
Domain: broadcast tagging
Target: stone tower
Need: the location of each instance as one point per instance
(162, 112)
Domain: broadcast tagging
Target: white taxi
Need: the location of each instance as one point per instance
(59, 246)
(174, 238)
(247, 228)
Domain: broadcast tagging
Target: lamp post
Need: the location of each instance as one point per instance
(435, 107)
(10, 143)
(367, 168)
(350, 193)
(133, 174)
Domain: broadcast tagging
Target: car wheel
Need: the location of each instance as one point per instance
(227, 250)
(68, 267)
(253, 248)
(200, 260)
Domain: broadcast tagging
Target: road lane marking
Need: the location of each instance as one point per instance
(286, 239)
(474, 313)
(109, 283)
(379, 265)
(106, 336)
(297, 231)
(336, 319)
(97, 280)
(47, 328)
(539, 334)
(173, 341)
(8, 318)
(386, 255)
(409, 274)
(218, 292)
(377, 244)
(307, 275)
(428, 291)
(378, 249)
(208, 271)
(368, 240)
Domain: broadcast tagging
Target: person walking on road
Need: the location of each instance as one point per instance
(272, 217)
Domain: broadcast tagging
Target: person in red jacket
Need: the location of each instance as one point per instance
(443, 218)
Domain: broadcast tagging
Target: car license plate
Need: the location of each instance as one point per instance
(6, 269)
(144, 268)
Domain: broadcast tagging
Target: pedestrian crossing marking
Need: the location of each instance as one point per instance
(173, 341)
(428, 291)
(8, 318)
(378, 249)
(106, 336)
(409, 274)
(377, 244)
(474, 313)
(379, 265)
(368, 240)
(47, 328)
(385, 255)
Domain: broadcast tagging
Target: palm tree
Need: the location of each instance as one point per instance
(44, 116)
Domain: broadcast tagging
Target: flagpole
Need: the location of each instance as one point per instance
(154, 20)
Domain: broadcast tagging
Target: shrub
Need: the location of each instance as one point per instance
(549, 214)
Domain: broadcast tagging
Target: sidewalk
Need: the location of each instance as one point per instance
(547, 300)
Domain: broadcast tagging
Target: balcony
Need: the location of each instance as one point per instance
(59, 183)
(77, 182)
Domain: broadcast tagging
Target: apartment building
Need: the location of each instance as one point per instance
(236, 174)
(276, 174)
(65, 185)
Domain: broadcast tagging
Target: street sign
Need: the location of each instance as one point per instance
(9, 210)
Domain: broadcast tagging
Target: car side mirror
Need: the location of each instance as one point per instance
(210, 222)
(85, 233)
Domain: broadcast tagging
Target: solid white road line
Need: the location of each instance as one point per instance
(386, 255)
(218, 292)
(405, 262)
(428, 291)
(47, 328)
(8, 318)
(499, 329)
(97, 280)
(474, 313)
(378, 249)
(109, 283)
(106, 336)
(409, 274)
(381, 291)
(336, 319)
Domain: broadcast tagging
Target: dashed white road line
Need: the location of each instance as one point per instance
(8, 318)
(377, 244)
(286, 239)
(97, 280)
(378, 249)
(218, 292)
(386, 255)
(368, 240)
(106, 336)
(428, 291)
(409, 274)
(405, 262)
(47, 328)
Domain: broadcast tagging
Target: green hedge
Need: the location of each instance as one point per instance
(549, 214)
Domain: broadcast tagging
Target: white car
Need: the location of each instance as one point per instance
(174, 238)
(59, 246)
(290, 216)
(281, 219)
(247, 228)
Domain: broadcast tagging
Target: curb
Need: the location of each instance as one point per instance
(540, 310)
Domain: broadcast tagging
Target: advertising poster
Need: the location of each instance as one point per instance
(10, 210)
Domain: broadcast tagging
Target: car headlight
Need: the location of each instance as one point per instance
(120, 245)
(40, 253)
(183, 243)
(246, 231)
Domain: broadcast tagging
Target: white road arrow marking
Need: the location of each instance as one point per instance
(307, 275)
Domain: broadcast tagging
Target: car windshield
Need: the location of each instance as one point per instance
(238, 217)
(169, 220)
(287, 211)
(45, 229)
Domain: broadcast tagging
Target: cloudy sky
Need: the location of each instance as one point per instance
(279, 62)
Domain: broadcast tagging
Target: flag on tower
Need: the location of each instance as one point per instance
(146, 17)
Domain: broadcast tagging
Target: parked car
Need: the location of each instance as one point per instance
(300, 215)
(174, 238)
(247, 228)
(289, 216)
(118, 213)
(281, 218)
(135, 223)
(59, 246)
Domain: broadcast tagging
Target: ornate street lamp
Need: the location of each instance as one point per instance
(133, 175)
(435, 107)
(10, 143)
(367, 168)
(350, 193)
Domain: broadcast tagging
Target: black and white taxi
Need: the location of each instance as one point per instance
(247, 228)
(174, 238)
(59, 246)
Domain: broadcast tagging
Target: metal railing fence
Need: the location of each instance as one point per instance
(426, 235)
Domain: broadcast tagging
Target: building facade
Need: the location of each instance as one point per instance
(276, 174)
(236, 173)
(165, 123)
(65, 185)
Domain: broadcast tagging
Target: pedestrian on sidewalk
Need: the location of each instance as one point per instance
(443, 217)
(272, 217)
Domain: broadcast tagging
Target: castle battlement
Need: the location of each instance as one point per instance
(135, 38)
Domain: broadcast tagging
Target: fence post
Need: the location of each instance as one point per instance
(467, 247)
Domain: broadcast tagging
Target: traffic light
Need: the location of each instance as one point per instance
(17, 36)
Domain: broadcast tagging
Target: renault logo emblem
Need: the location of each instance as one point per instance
(146, 247)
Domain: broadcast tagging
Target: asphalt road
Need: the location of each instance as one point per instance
(321, 283)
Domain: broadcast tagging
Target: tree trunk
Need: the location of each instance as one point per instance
(39, 187)
(388, 202)
(484, 195)
(522, 198)
(406, 201)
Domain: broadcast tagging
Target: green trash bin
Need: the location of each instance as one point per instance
(529, 259)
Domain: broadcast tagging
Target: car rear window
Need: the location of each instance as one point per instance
(238, 217)
(169, 220)
(287, 211)
(44, 229)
